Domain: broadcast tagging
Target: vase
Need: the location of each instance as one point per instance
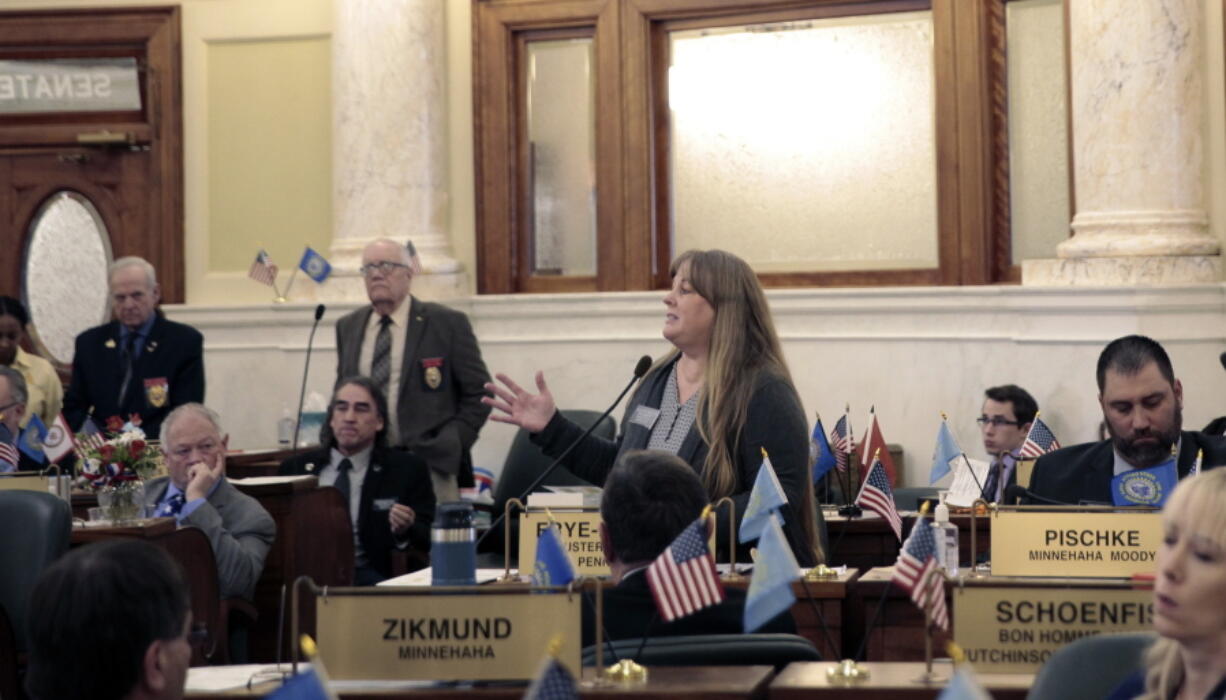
(123, 502)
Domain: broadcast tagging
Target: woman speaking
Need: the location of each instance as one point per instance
(716, 400)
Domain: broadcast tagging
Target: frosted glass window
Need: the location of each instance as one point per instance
(1038, 127)
(562, 143)
(809, 146)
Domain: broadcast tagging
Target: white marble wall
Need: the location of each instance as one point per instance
(912, 352)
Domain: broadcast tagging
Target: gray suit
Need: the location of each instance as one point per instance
(238, 527)
(440, 423)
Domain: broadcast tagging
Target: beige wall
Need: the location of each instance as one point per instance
(281, 199)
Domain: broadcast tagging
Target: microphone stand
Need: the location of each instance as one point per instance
(306, 366)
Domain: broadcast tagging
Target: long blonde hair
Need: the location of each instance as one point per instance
(1199, 501)
(744, 346)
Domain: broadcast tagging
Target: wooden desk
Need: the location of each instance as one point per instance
(898, 633)
(894, 680)
(240, 465)
(818, 602)
(663, 683)
(866, 542)
(141, 529)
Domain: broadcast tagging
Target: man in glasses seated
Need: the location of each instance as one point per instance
(424, 358)
(1008, 411)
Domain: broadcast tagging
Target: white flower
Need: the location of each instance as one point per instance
(93, 465)
(130, 433)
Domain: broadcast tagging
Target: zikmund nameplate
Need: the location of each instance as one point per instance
(445, 636)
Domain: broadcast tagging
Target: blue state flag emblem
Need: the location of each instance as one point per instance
(1144, 487)
(315, 265)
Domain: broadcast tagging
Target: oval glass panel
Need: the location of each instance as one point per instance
(64, 280)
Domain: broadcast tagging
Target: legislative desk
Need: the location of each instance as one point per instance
(663, 683)
(898, 632)
(818, 604)
(867, 541)
(893, 680)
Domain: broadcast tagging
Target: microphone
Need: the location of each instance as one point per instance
(306, 366)
(1017, 492)
(640, 369)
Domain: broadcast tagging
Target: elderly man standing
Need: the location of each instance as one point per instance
(424, 358)
(198, 495)
(139, 363)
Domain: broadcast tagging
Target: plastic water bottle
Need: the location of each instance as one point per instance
(453, 545)
(285, 427)
(946, 534)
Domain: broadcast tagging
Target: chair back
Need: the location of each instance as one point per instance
(909, 497)
(1110, 658)
(191, 548)
(34, 530)
(525, 461)
(776, 650)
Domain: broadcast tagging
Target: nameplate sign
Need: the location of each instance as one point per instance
(1015, 630)
(580, 535)
(1075, 544)
(443, 636)
(25, 481)
(69, 85)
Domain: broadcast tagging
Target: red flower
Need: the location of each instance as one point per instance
(107, 452)
(114, 424)
(136, 447)
(134, 419)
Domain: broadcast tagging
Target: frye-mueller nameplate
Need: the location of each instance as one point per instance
(24, 481)
(445, 636)
(1015, 630)
(1091, 544)
(580, 535)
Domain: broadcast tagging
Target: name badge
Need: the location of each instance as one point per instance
(384, 503)
(645, 416)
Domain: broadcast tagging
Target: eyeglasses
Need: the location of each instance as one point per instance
(207, 447)
(995, 421)
(384, 267)
(9, 405)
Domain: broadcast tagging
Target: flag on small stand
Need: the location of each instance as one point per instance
(552, 682)
(32, 439)
(8, 451)
(964, 686)
(917, 572)
(90, 436)
(820, 455)
(766, 498)
(874, 444)
(877, 496)
(314, 265)
(1039, 441)
(947, 448)
(683, 579)
(553, 567)
(1200, 456)
(415, 267)
(311, 684)
(59, 442)
(262, 269)
(842, 442)
(770, 587)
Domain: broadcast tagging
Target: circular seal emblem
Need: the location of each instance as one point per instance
(315, 267)
(1142, 488)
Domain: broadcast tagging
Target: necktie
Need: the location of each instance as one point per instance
(381, 360)
(128, 359)
(342, 479)
(171, 506)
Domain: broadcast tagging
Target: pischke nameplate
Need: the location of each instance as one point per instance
(580, 536)
(1092, 544)
(1016, 629)
(445, 635)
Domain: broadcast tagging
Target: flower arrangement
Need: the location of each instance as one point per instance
(124, 456)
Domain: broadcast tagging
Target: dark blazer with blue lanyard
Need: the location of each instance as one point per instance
(1084, 472)
(171, 360)
(393, 476)
(774, 420)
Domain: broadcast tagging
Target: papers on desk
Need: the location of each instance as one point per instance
(424, 577)
(204, 679)
(258, 480)
(965, 489)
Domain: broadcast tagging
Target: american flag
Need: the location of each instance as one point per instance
(843, 443)
(553, 682)
(263, 270)
(877, 496)
(415, 267)
(916, 565)
(683, 579)
(90, 437)
(1039, 441)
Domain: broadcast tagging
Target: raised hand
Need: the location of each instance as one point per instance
(513, 405)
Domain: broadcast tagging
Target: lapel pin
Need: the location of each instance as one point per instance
(377, 468)
(310, 466)
(110, 343)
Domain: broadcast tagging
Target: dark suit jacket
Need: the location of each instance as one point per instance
(173, 352)
(392, 475)
(239, 529)
(774, 420)
(630, 612)
(439, 425)
(1084, 472)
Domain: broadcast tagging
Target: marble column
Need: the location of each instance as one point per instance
(389, 131)
(1138, 142)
